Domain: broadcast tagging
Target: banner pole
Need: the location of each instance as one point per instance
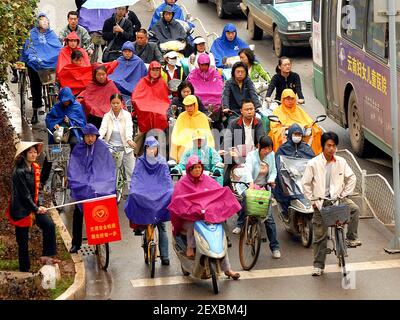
(83, 201)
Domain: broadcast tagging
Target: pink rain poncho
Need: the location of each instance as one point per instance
(207, 85)
(192, 195)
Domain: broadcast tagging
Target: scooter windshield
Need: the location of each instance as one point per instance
(291, 171)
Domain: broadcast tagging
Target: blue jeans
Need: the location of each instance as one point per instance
(163, 240)
(270, 226)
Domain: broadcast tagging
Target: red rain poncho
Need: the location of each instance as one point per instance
(151, 102)
(64, 57)
(192, 195)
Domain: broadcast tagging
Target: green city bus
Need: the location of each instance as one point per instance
(351, 70)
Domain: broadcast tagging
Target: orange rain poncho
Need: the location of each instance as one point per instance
(288, 116)
(186, 126)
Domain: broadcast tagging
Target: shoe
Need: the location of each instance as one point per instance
(317, 272)
(74, 249)
(353, 243)
(14, 79)
(276, 254)
(138, 232)
(34, 119)
(165, 262)
(237, 230)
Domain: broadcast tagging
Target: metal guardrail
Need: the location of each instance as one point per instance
(377, 196)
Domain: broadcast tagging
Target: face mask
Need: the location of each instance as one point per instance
(172, 62)
(296, 139)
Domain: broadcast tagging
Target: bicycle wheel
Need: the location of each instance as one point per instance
(250, 243)
(103, 255)
(341, 250)
(214, 278)
(59, 187)
(152, 259)
(22, 90)
(120, 183)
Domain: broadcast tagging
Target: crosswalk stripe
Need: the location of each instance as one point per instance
(272, 273)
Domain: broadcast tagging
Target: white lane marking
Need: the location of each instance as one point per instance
(272, 273)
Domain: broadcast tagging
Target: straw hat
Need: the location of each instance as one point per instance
(21, 146)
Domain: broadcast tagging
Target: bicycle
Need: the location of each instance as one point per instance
(59, 153)
(48, 80)
(118, 153)
(150, 245)
(23, 85)
(335, 216)
(257, 210)
(102, 252)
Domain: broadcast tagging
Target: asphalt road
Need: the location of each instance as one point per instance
(376, 274)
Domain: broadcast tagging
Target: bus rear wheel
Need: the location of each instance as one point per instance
(359, 144)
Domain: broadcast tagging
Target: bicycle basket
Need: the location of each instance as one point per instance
(257, 202)
(47, 76)
(332, 214)
(56, 153)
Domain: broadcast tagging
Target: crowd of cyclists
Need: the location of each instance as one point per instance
(174, 104)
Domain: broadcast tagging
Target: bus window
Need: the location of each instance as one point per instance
(353, 20)
(377, 35)
(316, 9)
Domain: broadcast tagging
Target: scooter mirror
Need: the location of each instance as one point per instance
(274, 118)
(320, 118)
(171, 163)
(220, 165)
(307, 132)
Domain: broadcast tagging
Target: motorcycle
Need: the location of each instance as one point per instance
(298, 220)
(211, 248)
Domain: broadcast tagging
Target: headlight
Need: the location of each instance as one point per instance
(297, 26)
(204, 242)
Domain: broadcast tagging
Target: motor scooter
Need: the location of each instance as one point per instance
(298, 220)
(211, 249)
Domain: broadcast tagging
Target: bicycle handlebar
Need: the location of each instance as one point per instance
(335, 199)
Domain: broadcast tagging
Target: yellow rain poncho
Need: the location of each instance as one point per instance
(288, 116)
(186, 126)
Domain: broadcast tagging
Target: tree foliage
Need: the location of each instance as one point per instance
(17, 17)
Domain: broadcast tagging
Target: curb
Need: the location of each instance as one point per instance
(77, 291)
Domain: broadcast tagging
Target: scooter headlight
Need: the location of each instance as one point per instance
(204, 243)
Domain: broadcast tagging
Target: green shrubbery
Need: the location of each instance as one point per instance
(17, 17)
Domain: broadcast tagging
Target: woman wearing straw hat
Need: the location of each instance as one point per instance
(25, 210)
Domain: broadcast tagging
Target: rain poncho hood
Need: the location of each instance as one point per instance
(64, 58)
(186, 126)
(91, 169)
(73, 111)
(289, 116)
(96, 97)
(207, 85)
(222, 47)
(151, 189)
(178, 13)
(151, 102)
(200, 199)
(41, 50)
(128, 72)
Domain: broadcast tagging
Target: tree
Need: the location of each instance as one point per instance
(17, 18)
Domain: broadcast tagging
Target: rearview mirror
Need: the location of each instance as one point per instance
(321, 118)
(274, 118)
(171, 163)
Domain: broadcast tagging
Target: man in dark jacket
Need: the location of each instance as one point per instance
(136, 25)
(238, 88)
(245, 130)
(116, 31)
(145, 50)
(167, 29)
